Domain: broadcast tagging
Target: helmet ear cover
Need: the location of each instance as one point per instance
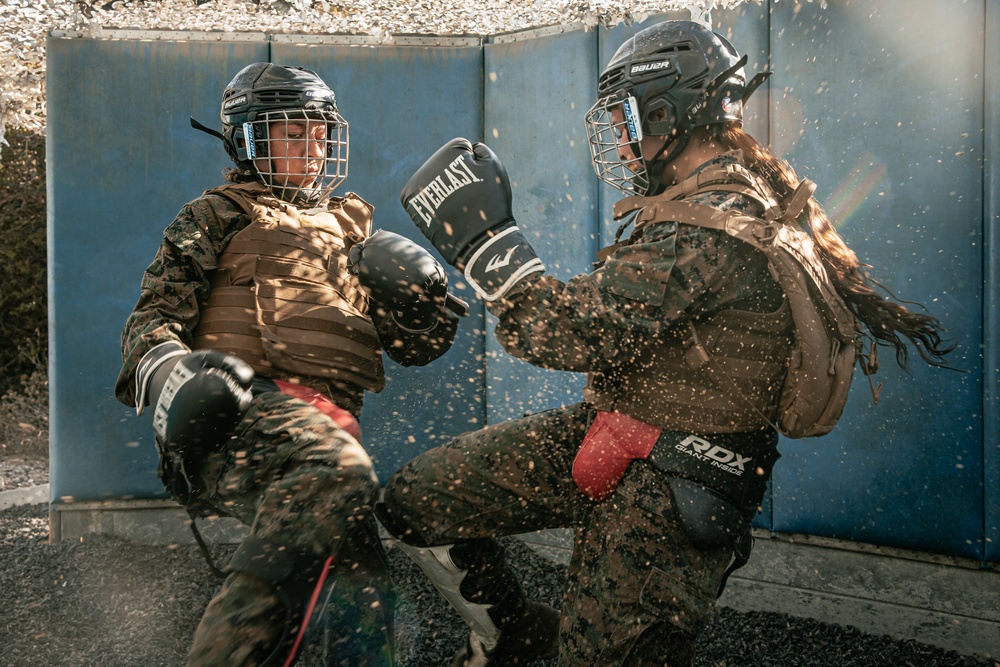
(252, 139)
(665, 123)
(243, 147)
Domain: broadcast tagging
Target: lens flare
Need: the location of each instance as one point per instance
(854, 192)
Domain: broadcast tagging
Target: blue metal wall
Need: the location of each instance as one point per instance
(537, 91)
(121, 160)
(889, 105)
(886, 114)
(991, 283)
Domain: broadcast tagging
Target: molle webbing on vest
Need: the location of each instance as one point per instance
(724, 178)
(670, 387)
(282, 299)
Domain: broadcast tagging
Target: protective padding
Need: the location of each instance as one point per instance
(612, 442)
(441, 571)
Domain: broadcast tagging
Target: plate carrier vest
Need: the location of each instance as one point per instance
(282, 300)
(821, 364)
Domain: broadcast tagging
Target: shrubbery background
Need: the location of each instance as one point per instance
(24, 404)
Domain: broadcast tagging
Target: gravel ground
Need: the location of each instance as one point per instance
(104, 602)
(16, 473)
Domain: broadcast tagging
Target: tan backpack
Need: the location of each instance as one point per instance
(822, 360)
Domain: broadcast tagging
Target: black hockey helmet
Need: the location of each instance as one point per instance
(665, 81)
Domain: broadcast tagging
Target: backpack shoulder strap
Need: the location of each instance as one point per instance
(672, 206)
(796, 202)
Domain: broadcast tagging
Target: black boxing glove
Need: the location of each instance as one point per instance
(198, 397)
(402, 278)
(460, 199)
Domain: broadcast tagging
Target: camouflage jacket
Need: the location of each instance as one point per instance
(608, 322)
(176, 284)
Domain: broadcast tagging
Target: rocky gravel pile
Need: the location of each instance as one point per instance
(25, 23)
(19, 473)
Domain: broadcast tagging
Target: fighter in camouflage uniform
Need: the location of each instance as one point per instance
(661, 467)
(259, 327)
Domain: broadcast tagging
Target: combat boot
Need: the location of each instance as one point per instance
(534, 635)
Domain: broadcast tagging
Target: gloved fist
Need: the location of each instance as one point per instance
(401, 277)
(460, 193)
(460, 199)
(198, 397)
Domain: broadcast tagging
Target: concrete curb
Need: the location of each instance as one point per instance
(29, 495)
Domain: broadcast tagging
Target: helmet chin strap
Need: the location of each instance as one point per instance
(659, 162)
(207, 130)
(291, 194)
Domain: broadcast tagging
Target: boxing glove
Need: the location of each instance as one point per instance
(197, 397)
(401, 277)
(460, 199)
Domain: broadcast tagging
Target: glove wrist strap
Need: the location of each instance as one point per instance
(147, 367)
(500, 263)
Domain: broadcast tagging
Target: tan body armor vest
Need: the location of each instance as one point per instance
(282, 300)
(825, 345)
(669, 384)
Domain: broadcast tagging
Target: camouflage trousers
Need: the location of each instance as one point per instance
(293, 476)
(638, 591)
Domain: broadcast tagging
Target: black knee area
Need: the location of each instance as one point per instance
(392, 515)
(710, 520)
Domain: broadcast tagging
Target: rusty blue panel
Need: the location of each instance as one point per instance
(539, 84)
(885, 114)
(403, 102)
(122, 159)
(991, 300)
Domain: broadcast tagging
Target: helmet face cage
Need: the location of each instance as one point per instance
(300, 155)
(614, 130)
(282, 124)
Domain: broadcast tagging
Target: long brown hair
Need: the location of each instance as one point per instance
(882, 315)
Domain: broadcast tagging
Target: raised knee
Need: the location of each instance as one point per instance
(393, 513)
(348, 481)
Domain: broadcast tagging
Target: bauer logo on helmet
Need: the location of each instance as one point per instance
(659, 66)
